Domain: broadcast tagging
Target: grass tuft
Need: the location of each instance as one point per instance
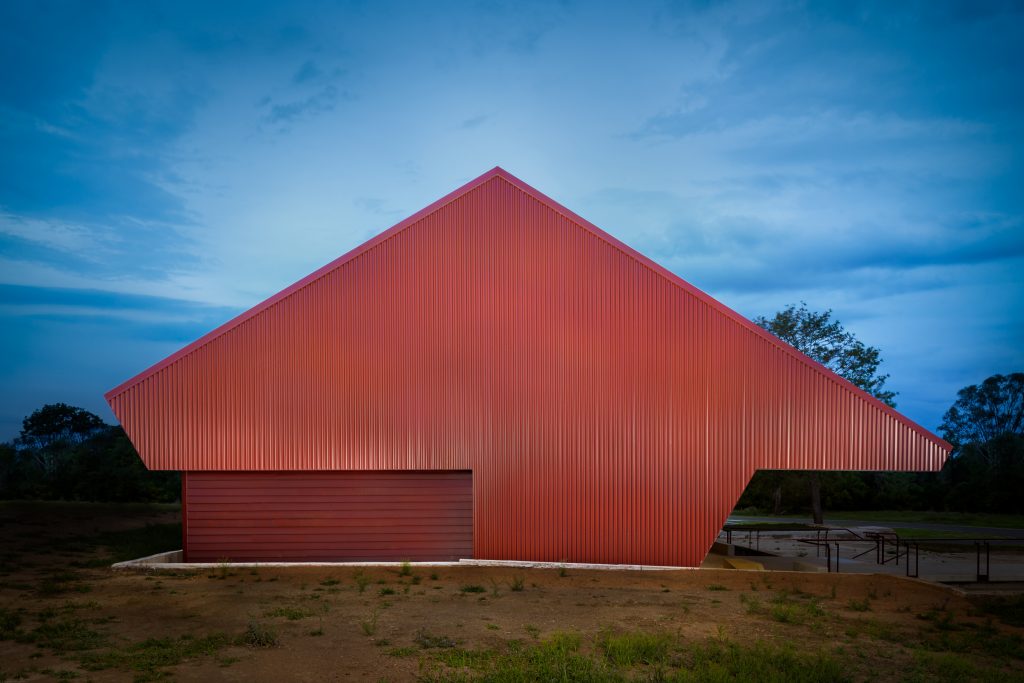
(859, 605)
(629, 649)
(369, 625)
(259, 636)
(426, 640)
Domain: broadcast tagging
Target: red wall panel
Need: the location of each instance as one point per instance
(328, 516)
(609, 411)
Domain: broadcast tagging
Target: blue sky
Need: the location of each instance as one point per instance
(166, 165)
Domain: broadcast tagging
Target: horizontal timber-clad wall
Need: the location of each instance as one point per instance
(328, 516)
(609, 411)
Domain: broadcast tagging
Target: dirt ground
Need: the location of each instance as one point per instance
(64, 614)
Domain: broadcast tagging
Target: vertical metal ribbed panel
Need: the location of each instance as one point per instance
(609, 411)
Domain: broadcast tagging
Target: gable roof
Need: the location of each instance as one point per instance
(498, 173)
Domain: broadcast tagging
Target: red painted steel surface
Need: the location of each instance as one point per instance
(609, 411)
(329, 516)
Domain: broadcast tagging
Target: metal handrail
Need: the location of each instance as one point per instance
(904, 545)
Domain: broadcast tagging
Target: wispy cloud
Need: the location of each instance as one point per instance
(474, 121)
(319, 102)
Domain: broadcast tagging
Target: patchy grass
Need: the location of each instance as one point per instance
(61, 582)
(1009, 609)
(149, 657)
(863, 605)
(947, 634)
(427, 640)
(785, 607)
(259, 636)
(723, 659)
(10, 623)
(634, 656)
(473, 588)
(369, 624)
(717, 587)
(629, 649)
(515, 584)
(289, 613)
(66, 635)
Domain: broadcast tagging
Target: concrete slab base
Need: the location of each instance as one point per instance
(173, 560)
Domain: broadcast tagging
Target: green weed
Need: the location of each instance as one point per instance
(628, 649)
(859, 605)
(426, 640)
(259, 636)
(369, 625)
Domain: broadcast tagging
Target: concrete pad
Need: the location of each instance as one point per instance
(172, 560)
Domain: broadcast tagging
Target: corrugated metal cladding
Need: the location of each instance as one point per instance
(328, 516)
(609, 411)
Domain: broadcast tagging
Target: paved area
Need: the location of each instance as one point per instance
(952, 563)
(979, 531)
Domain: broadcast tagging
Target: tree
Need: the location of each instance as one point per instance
(985, 412)
(51, 431)
(825, 340)
(986, 427)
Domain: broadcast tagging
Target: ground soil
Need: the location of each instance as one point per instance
(329, 629)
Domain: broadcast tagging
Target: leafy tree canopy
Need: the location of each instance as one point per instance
(983, 412)
(825, 340)
(58, 424)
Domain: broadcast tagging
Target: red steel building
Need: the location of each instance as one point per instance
(493, 377)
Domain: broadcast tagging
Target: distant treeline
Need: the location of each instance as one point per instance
(66, 453)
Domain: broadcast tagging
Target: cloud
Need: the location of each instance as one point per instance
(474, 121)
(732, 251)
(307, 72)
(317, 103)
